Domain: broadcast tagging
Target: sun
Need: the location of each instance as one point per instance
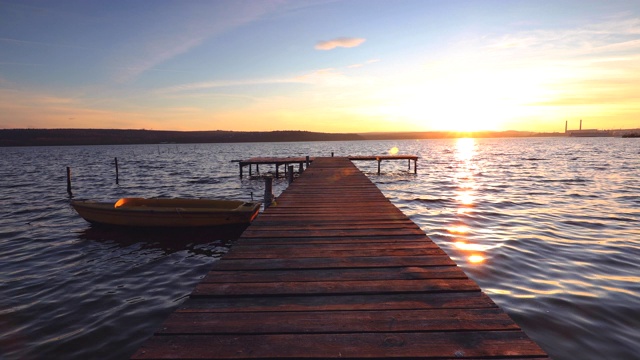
(453, 107)
(460, 98)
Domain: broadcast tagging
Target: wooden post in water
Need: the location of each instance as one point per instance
(290, 174)
(240, 164)
(379, 161)
(307, 158)
(117, 175)
(268, 191)
(415, 166)
(69, 181)
(409, 163)
(332, 154)
(300, 169)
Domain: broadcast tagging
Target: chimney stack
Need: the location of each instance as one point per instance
(580, 124)
(566, 123)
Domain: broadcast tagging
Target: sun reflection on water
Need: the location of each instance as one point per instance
(465, 150)
(465, 198)
(476, 259)
(469, 247)
(459, 229)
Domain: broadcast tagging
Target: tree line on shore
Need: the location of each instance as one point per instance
(52, 137)
(57, 137)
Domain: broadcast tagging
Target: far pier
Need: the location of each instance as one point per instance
(303, 162)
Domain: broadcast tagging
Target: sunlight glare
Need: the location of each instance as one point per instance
(470, 247)
(476, 259)
(460, 229)
(394, 150)
(465, 198)
(465, 148)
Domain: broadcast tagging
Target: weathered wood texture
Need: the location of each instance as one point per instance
(334, 270)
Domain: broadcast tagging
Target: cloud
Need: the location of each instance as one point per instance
(165, 36)
(330, 77)
(204, 85)
(355, 66)
(345, 42)
(619, 35)
(40, 43)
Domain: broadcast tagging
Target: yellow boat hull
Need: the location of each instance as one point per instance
(139, 212)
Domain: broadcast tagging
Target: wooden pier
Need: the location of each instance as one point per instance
(277, 161)
(301, 161)
(335, 270)
(379, 159)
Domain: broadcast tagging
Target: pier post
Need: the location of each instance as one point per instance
(268, 191)
(69, 181)
(240, 165)
(250, 170)
(290, 174)
(277, 167)
(307, 159)
(117, 176)
(300, 169)
(415, 166)
(379, 161)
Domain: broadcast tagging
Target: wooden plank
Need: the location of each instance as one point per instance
(327, 227)
(292, 253)
(464, 344)
(335, 287)
(327, 263)
(315, 275)
(348, 246)
(362, 241)
(389, 301)
(341, 322)
(278, 233)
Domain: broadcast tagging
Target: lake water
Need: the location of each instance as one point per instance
(549, 228)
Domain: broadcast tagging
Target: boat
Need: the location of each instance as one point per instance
(165, 212)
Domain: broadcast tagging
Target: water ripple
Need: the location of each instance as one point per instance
(547, 227)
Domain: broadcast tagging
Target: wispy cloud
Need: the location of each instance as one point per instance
(612, 35)
(39, 43)
(205, 85)
(359, 65)
(345, 42)
(326, 77)
(162, 41)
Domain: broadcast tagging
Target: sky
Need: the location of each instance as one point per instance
(314, 65)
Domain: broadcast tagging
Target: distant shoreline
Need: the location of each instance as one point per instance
(69, 137)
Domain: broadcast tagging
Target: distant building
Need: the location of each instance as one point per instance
(586, 132)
